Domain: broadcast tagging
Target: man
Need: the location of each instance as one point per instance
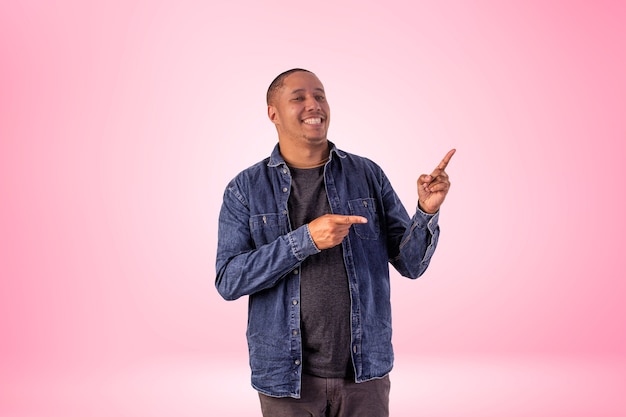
(308, 235)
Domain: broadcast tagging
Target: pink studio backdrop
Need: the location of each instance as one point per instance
(121, 122)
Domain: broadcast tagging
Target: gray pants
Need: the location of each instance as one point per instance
(332, 397)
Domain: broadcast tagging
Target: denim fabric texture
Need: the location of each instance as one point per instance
(259, 255)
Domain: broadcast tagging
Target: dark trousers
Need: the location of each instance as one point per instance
(332, 397)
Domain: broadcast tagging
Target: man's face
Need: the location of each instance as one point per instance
(300, 111)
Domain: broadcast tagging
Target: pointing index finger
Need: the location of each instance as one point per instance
(446, 159)
(351, 219)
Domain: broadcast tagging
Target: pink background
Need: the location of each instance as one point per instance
(122, 121)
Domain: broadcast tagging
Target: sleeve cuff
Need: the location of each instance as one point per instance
(422, 219)
(302, 245)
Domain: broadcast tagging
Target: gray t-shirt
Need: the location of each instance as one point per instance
(324, 291)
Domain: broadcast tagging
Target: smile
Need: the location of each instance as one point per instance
(313, 121)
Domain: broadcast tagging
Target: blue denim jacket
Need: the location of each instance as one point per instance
(258, 254)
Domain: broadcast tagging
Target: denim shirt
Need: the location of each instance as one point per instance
(259, 255)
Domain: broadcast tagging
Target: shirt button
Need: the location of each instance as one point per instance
(284, 170)
(295, 272)
(295, 332)
(294, 302)
(284, 189)
(297, 362)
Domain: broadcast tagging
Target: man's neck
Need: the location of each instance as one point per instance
(305, 157)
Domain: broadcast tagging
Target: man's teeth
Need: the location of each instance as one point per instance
(314, 121)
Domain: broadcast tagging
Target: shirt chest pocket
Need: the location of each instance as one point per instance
(266, 228)
(365, 207)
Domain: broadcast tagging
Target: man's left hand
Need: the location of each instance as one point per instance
(432, 189)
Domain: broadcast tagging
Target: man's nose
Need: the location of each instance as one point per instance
(312, 104)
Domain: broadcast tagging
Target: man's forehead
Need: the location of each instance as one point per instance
(300, 81)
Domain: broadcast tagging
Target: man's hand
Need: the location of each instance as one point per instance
(329, 230)
(432, 189)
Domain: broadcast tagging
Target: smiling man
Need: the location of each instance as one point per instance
(308, 234)
(298, 108)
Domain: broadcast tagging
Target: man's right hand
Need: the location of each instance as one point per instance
(329, 230)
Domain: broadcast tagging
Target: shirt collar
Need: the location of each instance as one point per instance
(276, 159)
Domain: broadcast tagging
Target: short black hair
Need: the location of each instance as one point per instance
(278, 82)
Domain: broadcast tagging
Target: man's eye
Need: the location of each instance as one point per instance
(298, 98)
(321, 98)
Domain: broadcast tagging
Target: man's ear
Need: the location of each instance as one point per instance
(271, 113)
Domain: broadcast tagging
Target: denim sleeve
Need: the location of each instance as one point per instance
(242, 267)
(411, 241)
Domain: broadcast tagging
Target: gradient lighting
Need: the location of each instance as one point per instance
(121, 123)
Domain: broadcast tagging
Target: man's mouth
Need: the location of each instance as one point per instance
(313, 121)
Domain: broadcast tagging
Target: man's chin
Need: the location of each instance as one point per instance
(316, 140)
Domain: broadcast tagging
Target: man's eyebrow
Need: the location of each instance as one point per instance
(300, 90)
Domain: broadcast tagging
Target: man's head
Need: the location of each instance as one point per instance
(277, 84)
(296, 104)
